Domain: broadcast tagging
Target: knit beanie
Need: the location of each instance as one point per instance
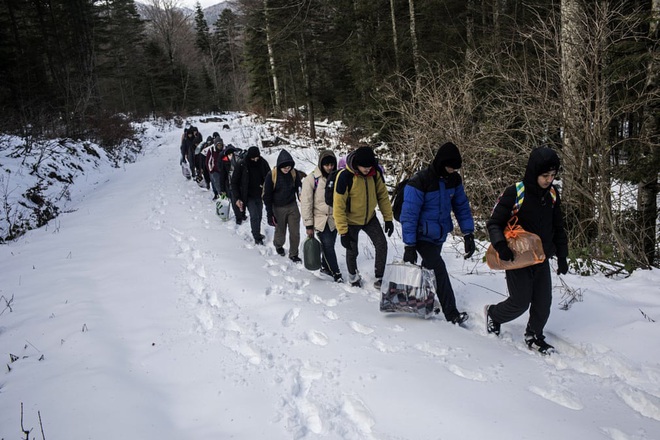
(253, 152)
(364, 157)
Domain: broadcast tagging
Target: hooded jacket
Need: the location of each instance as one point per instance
(314, 211)
(365, 193)
(247, 179)
(430, 197)
(538, 213)
(284, 190)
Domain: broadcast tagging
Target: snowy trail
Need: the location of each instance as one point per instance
(279, 341)
(205, 335)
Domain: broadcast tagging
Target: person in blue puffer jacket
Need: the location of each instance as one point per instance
(429, 198)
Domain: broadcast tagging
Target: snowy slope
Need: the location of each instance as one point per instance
(141, 315)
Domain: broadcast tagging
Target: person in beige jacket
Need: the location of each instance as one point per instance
(317, 215)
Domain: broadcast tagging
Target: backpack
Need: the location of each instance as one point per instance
(397, 199)
(330, 186)
(520, 197)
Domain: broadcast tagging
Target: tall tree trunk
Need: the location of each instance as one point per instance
(647, 190)
(395, 42)
(306, 74)
(277, 106)
(415, 48)
(576, 160)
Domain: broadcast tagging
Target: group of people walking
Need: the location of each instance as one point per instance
(430, 197)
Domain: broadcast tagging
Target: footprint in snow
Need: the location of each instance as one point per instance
(564, 398)
(359, 328)
(467, 374)
(358, 413)
(290, 317)
(318, 338)
(331, 315)
(642, 402)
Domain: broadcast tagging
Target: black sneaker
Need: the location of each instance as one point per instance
(378, 283)
(538, 343)
(259, 240)
(355, 279)
(338, 278)
(295, 259)
(491, 326)
(460, 318)
(280, 251)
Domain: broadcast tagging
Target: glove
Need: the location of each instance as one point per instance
(469, 245)
(389, 228)
(310, 231)
(346, 241)
(410, 254)
(503, 251)
(562, 266)
(271, 220)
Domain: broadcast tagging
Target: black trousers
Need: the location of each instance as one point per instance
(432, 259)
(529, 287)
(375, 233)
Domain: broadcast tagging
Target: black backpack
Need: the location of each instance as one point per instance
(397, 199)
(330, 186)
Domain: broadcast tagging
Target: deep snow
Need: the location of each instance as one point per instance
(139, 314)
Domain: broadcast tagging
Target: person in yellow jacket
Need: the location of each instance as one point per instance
(359, 189)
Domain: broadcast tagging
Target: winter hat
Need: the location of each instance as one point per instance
(329, 159)
(253, 152)
(447, 156)
(364, 157)
(229, 150)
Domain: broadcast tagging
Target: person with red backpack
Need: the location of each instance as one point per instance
(429, 198)
(541, 214)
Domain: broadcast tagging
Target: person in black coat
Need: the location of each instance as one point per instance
(247, 183)
(281, 190)
(541, 214)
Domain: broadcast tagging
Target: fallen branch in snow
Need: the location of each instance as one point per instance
(569, 295)
(488, 288)
(647, 317)
(7, 304)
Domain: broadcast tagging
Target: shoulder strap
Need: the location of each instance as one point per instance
(273, 176)
(520, 197)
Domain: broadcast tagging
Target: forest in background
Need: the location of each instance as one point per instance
(497, 77)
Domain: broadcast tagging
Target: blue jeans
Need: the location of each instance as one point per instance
(328, 239)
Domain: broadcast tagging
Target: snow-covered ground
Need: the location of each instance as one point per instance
(139, 314)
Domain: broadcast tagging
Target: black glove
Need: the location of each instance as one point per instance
(271, 219)
(562, 266)
(469, 245)
(389, 228)
(503, 251)
(410, 254)
(346, 241)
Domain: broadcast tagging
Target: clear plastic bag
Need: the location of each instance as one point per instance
(527, 248)
(408, 288)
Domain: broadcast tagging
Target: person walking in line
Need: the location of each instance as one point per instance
(247, 184)
(359, 189)
(317, 215)
(213, 164)
(227, 166)
(280, 195)
(429, 198)
(541, 214)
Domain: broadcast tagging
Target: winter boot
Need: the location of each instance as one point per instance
(491, 326)
(538, 343)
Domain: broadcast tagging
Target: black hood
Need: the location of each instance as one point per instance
(285, 159)
(447, 156)
(541, 160)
